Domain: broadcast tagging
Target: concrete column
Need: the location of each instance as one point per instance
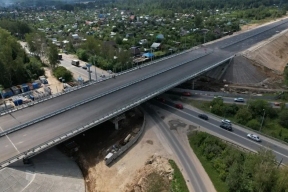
(117, 119)
(116, 125)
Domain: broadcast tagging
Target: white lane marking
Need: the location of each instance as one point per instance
(232, 133)
(10, 141)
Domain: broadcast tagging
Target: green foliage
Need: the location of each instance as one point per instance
(254, 124)
(82, 54)
(16, 28)
(62, 72)
(238, 171)
(12, 62)
(178, 183)
(34, 68)
(53, 56)
(283, 118)
(243, 116)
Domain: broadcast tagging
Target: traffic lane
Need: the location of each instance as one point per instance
(236, 135)
(56, 103)
(86, 90)
(187, 164)
(48, 129)
(246, 34)
(7, 149)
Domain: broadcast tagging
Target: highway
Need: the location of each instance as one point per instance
(45, 130)
(186, 162)
(238, 135)
(229, 100)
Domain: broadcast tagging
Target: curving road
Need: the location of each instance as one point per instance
(238, 135)
(45, 130)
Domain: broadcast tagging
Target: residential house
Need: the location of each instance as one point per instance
(135, 51)
(156, 46)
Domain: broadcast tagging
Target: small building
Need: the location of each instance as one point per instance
(135, 51)
(156, 46)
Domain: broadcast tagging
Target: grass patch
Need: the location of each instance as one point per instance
(156, 183)
(210, 170)
(178, 183)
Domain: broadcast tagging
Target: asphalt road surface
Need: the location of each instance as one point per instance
(225, 99)
(237, 135)
(186, 162)
(39, 133)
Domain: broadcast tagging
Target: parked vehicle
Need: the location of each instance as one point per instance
(226, 126)
(254, 137)
(179, 106)
(75, 62)
(239, 99)
(59, 57)
(84, 67)
(203, 116)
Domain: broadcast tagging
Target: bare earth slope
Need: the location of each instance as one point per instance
(272, 53)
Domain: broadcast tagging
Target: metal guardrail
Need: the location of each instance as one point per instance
(128, 145)
(245, 38)
(48, 144)
(10, 110)
(16, 128)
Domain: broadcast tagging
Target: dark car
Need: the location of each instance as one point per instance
(203, 116)
(84, 67)
(226, 126)
(179, 106)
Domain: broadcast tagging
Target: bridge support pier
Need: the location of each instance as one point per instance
(117, 119)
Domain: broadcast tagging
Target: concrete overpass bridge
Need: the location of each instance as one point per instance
(35, 128)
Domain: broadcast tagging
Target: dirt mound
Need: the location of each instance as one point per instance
(271, 54)
(156, 174)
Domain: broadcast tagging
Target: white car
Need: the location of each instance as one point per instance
(218, 96)
(239, 99)
(253, 137)
(226, 121)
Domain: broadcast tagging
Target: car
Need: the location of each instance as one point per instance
(239, 99)
(186, 93)
(102, 75)
(179, 106)
(226, 126)
(277, 104)
(253, 137)
(84, 67)
(203, 116)
(226, 121)
(218, 97)
(109, 71)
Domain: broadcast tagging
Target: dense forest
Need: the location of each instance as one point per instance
(15, 66)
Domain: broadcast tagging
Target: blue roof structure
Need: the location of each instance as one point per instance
(148, 55)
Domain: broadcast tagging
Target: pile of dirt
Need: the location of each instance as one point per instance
(156, 174)
(271, 54)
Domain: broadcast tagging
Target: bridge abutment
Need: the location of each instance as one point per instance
(117, 119)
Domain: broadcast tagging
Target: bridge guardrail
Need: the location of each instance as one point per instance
(4, 112)
(245, 38)
(50, 143)
(16, 128)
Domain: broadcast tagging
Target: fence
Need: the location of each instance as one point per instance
(128, 145)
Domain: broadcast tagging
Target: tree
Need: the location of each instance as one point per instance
(198, 21)
(283, 118)
(257, 106)
(62, 72)
(253, 124)
(243, 116)
(53, 56)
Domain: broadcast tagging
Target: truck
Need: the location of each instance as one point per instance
(75, 62)
(59, 57)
